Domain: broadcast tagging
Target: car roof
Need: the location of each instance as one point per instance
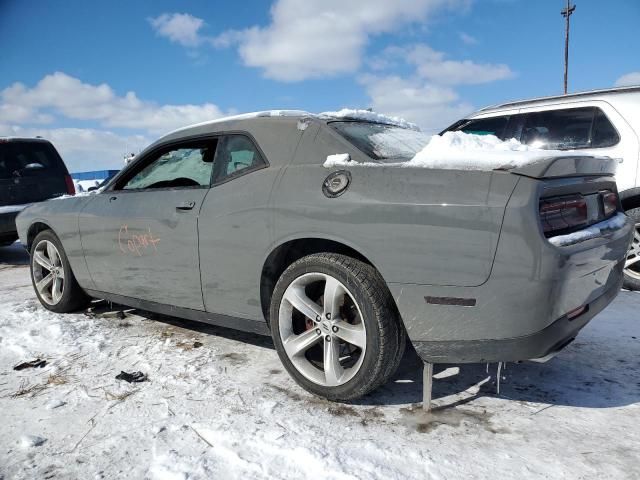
(247, 118)
(23, 139)
(590, 94)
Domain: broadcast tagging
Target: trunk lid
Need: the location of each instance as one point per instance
(568, 166)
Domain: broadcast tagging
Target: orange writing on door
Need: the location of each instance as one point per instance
(136, 244)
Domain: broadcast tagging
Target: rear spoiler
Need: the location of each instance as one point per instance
(568, 166)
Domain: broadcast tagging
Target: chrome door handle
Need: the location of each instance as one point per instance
(186, 206)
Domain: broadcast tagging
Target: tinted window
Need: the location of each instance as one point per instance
(29, 159)
(236, 153)
(383, 142)
(184, 166)
(486, 126)
(560, 129)
(604, 133)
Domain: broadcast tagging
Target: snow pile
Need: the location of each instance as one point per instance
(337, 160)
(28, 441)
(465, 151)
(614, 223)
(369, 116)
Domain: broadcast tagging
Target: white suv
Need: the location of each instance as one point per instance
(599, 122)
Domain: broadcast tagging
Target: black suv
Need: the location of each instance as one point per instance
(31, 170)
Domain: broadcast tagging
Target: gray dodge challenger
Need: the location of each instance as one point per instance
(243, 223)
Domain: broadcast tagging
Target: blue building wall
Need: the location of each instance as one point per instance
(95, 175)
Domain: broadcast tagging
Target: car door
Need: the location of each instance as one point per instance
(140, 236)
(235, 228)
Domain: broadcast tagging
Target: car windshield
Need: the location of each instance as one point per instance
(386, 143)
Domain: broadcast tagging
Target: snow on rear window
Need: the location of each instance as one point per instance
(369, 116)
(385, 143)
(464, 151)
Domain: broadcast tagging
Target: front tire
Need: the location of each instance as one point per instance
(51, 275)
(632, 265)
(335, 326)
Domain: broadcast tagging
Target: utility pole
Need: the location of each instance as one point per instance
(566, 13)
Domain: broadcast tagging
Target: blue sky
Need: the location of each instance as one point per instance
(103, 78)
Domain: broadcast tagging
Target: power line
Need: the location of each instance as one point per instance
(566, 13)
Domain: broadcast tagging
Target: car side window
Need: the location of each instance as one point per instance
(604, 133)
(236, 154)
(189, 165)
(559, 129)
(486, 126)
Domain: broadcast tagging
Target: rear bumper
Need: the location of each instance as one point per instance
(547, 341)
(520, 313)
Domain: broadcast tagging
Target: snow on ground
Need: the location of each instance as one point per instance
(464, 151)
(218, 404)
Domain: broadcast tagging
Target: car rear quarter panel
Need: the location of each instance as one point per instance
(415, 225)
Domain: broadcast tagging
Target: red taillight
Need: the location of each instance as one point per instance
(71, 189)
(563, 213)
(609, 203)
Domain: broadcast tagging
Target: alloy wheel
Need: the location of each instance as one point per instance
(322, 329)
(632, 264)
(48, 272)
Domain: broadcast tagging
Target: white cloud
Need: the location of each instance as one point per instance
(468, 39)
(181, 28)
(82, 148)
(23, 111)
(308, 39)
(435, 67)
(431, 106)
(68, 96)
(629, 79)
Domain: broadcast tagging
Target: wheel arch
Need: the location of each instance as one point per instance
(287, 252)
(34, 229)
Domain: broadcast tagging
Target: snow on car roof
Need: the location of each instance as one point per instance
(345, 113)
(369, 116)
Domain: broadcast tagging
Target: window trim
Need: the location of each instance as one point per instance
(463, 124)
(593, 126)
(149, 157)
(126, 173)
(244, 171)
(522, 117)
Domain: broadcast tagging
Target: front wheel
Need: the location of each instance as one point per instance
(632, 264)
(51, 275)
(335, 326)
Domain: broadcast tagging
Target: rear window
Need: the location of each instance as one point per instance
(385, 143)
(486, 126)
(28, 159)
(604, 133)
(562, 129)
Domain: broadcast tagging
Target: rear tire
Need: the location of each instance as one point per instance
(51, 275)
(344, 355)
(632, 271)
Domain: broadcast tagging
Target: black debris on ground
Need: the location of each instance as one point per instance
(37, 363)
(133, 377)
